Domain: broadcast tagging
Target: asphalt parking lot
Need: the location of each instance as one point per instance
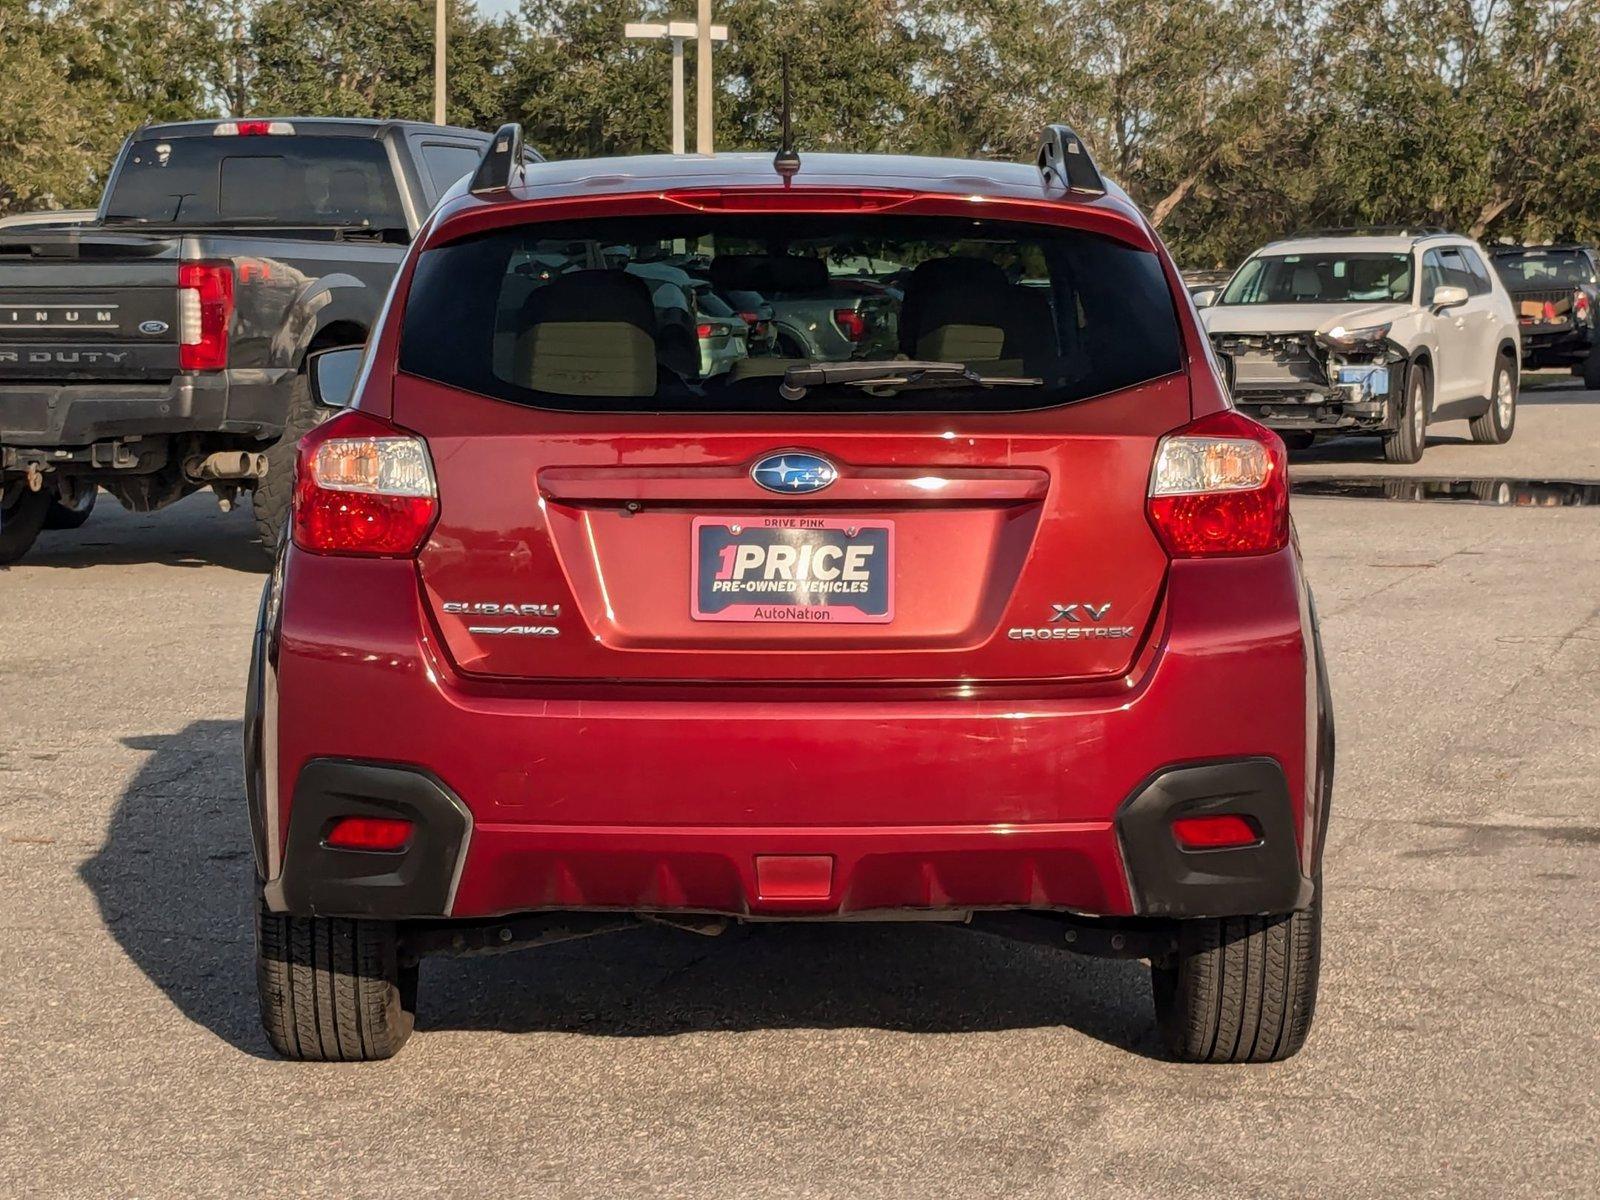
(1456, 1050)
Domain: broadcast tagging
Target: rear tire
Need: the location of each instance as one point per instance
(269, 504)
(1240, 989)
(1406, 444)
(61, 515)
(332, 989)
(1495, 426)
(22, 515)
(1591, 371)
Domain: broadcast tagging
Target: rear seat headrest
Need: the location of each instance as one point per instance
(590, 333)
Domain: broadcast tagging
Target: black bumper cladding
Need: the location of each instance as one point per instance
(418, 881)
(1170, 881)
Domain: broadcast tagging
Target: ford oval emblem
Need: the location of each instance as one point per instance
(152, 326)
(794, 473)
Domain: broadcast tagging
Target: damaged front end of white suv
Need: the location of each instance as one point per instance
(1301, 369)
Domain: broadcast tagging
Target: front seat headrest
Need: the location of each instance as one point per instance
(590, 333)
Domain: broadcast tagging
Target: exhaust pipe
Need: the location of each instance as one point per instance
(226, 464)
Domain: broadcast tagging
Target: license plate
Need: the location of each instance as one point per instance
(795, 570)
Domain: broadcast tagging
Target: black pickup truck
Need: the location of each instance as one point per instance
(159, 348)
(1556, 292)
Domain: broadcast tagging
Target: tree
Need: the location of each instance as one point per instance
(374, 58)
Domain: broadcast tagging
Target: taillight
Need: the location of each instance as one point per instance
(851, 322)
(205, 309)
(363, 487)
(1580, 307)
(1220, 486)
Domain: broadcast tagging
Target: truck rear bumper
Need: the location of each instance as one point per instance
(250, 402)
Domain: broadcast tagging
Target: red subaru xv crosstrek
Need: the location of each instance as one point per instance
(997, 617)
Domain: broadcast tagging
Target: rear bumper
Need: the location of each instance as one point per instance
(777, 871)
(1558, 348)
(820, 804)
(251, 402)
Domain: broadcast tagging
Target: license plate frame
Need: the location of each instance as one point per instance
(719, 567)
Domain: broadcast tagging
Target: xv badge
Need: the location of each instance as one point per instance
(1069, 612)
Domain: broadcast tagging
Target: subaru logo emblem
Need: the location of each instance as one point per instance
(794, 473)
(152, 326)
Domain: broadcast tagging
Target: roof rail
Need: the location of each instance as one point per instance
(1410, 231)
(501, 164)
(1063, 155)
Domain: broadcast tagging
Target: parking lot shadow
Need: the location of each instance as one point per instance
(173, 881)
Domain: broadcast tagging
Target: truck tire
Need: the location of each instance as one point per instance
(1591, 371)
(62, 515)
(331, 988)
(1240, 989)
(269, 503)
(1297, 439)
(22, 516)
(1498, 421)
(1410, 439)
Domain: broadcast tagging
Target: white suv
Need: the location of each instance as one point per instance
(1373, 332)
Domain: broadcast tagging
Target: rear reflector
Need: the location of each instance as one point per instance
(368, 833)
(1219, 832)
(794, 876)
(205, 311)
(1220, 486)
(363, 487)
(253, 129)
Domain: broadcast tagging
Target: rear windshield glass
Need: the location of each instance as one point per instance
(1331, 278)
(1543, 268)
(927, 313)
(273, 180)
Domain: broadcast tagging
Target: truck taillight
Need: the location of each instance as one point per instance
(851, 322)
(1581, 307)
(363, 487)
(1220, 486)
(205, 310)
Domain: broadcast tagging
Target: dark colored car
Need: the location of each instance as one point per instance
(159, 348)
(1556, 290)
(1014, 636)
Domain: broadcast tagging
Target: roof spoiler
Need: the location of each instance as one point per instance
(1063, 155)
(501, 164)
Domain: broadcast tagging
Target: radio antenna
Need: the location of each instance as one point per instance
(787, 161)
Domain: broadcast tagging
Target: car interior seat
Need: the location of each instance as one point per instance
(589, 333)
(965, 310)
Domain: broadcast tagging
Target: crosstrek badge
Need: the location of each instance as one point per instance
(793, 569)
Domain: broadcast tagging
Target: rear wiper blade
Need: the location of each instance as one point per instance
(892, 374)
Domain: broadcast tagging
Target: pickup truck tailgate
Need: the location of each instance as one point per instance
(86, 304)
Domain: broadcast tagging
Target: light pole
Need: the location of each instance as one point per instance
(679, 32)
(438, 61)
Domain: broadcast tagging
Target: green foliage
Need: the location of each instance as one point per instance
(1230, 121)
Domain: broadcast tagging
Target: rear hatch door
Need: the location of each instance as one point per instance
(1015, 547)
